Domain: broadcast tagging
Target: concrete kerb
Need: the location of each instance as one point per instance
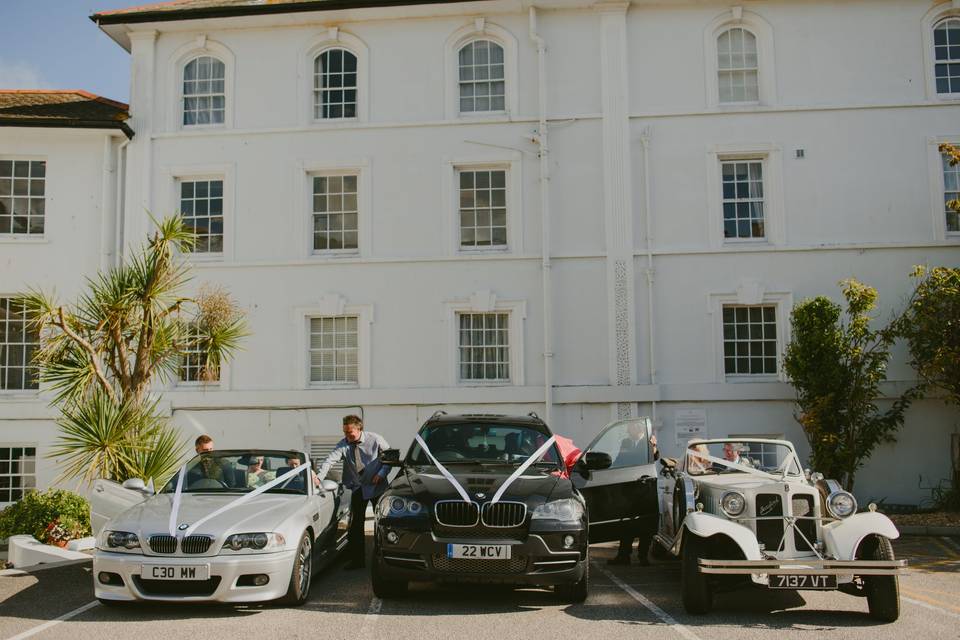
(21, 571)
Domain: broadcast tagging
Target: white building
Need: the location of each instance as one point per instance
(570, 208)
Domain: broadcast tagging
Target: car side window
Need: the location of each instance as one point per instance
(625, 442)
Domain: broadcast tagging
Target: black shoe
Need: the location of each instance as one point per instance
(354, 564)
(619, 560)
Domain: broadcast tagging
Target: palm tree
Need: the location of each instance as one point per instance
(129, 329)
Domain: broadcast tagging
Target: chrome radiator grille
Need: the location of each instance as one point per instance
(163, 544)
(456, 513)
(196, 544)
(503, 515)
(471, 565)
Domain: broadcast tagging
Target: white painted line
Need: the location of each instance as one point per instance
(373, 612)
(950, 542)
(931, 607)
(55, 621)
(665, 617)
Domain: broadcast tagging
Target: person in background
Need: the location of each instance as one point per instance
(203, 443)
(363, 475)
(630, 448)
(256, 474)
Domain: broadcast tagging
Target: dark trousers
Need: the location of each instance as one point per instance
(355, 537)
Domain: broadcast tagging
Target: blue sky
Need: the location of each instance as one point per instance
(52, 44)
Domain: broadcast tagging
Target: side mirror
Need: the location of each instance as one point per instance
(328, 485)
(136, 484)
(390, 457)
(595, 460)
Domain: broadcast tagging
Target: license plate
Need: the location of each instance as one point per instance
(803, 582)
(479, 551)
(174, 572)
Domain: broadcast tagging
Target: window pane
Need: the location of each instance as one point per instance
(749, 339)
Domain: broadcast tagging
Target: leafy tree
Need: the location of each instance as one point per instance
(101, 354)
(836, 363)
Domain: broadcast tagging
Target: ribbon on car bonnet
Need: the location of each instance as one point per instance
(442, 469)
(523, 467)
(175, 508)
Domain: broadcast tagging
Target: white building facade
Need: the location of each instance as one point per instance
(583, 210)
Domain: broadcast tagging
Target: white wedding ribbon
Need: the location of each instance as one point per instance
(247, 497)
(516, 474)
(442, 469)
(732, 465)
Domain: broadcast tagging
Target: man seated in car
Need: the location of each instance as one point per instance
(292, 463)
(256, 474)
(731, 453)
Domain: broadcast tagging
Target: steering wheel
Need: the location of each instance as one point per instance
(209, 483)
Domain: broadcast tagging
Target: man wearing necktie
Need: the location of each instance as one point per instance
(362, 474)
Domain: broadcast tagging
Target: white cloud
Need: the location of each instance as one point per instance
(20, 75)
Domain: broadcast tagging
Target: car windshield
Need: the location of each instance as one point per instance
(740, 456)
(482, 443)
(240, 472)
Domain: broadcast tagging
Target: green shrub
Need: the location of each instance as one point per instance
(31, 515)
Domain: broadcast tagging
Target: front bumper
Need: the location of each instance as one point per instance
(760, 570)
(537, 557)
(224, 572)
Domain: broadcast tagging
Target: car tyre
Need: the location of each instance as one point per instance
(302, 574)
(384, 588)
(695, 586)
(577, 592)
(883, 592)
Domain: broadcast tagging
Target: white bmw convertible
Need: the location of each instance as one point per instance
(242, 526)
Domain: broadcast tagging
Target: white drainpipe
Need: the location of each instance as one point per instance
(544, 220)
(648, 213)
(120, 208)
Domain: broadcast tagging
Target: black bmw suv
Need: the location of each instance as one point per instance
(438, 521)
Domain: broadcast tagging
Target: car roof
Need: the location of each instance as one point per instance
(531, 421)
(276, 453)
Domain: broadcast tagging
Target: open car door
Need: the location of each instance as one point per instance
(109, 499)
(621, 499)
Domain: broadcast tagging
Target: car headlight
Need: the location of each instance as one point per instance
(733, 503)
(567, 510)
(841, 504)
(398, 507)
(254, 542)
(123, 541)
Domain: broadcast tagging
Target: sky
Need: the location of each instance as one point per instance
(52, 44)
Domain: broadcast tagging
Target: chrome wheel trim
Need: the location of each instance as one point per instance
(303, 556)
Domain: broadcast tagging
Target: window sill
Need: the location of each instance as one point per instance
(203, 257)
(321, 386)
(485, 383)
(335, 254)
(19, 394)
(739, 242)
(20, 238)
(202, 127)
(495, 250)
(751, 377)
(482, 115)
(196, 386)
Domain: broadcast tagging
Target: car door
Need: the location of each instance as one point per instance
(666, 481)
(622, 499)
(109, 499)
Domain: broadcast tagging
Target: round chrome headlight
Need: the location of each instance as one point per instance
(733, 503)
(841, 504)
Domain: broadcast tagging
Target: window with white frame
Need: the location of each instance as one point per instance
(481, 77)
(201, 206)
(484, 347)
(18, 472)
(204, 91)
(22, 196)
(951, 193)
(335, 212)
(946, 53)
(19, 341)
(737, 66)
(482, 207)
(334, 350)
(743, 199)
(750, 339)
(193, 358)
(335, 85)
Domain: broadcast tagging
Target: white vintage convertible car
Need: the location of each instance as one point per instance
(744, 511)
(265, 547)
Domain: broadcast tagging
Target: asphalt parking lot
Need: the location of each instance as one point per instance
(634, 601)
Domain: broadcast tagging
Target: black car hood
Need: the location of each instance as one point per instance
(428, 485)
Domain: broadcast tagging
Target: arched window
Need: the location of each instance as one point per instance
(946, 52)
(204, 93)
(737, 66)
(335, 85)
(481, 77)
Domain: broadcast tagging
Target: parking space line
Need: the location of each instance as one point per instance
(373, 612)
(665, 617)
(55, 621)
(953, 544)
(928, 605)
